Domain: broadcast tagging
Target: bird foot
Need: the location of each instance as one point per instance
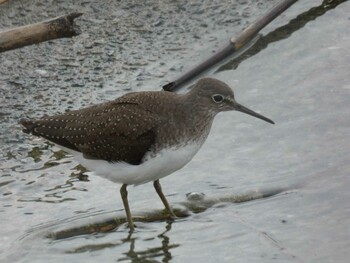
(172, 215)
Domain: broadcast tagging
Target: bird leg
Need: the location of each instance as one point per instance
(124, 194)
(158, 188)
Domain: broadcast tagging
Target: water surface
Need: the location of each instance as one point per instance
(297, 74)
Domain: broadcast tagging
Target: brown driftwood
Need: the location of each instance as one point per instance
(59, 27)
(196, 203)
(235, 45)
(3, 1)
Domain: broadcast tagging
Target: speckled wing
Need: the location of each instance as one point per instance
(115, 131)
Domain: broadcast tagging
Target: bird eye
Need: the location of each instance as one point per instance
(217, 98)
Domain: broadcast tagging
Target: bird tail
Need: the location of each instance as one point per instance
(28, 125)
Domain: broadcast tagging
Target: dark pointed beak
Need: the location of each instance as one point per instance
(241, 108)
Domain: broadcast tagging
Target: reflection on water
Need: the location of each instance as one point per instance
(144, 245)
(159, 252)
(56, 194)
(283, 32)
(162, 252)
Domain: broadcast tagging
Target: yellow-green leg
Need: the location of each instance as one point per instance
(124, 194)
(158, 188)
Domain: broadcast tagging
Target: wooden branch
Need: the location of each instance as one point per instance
(3, 1)
(58, 27)
(236, 43)
(282, 32)
(196, 204)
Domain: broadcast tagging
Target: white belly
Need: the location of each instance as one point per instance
(166, 162)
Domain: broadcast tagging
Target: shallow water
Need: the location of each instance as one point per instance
(297, 74)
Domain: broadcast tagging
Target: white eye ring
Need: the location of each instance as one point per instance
(218, 98)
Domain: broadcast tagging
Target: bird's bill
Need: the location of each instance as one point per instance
(241, 108)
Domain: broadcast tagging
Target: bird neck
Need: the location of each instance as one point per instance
(197, 114)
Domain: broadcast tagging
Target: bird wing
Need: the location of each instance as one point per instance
(114, 131)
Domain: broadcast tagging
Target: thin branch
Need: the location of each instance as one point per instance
(236, 43)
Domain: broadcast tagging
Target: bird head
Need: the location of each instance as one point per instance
(220, 97)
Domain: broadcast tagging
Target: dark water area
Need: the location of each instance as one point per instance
(297, 73)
